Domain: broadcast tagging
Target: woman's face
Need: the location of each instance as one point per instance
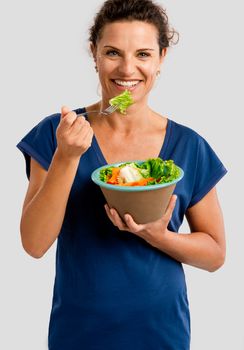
(127, 57)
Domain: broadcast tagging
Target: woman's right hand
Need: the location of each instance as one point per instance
(74, 135)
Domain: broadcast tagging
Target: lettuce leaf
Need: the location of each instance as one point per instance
(162, 171)
(105, 174)
(123, 101)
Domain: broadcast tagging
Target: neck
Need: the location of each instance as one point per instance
(137, 117)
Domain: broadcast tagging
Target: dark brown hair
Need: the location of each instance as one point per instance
(139, 10)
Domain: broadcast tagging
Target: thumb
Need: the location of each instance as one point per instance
(64, 110)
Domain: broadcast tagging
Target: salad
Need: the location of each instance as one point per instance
(123, 101)
(150, 172)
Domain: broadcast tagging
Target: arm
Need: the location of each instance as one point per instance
(204, 247)
(45, 203)
(48, 191)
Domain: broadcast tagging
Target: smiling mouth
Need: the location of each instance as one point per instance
(126, 83)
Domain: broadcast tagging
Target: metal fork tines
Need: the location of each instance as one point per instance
(106, 111)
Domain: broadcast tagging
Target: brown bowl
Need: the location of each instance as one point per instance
(144, 203)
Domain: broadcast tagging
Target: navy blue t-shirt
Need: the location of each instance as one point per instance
(114, 291)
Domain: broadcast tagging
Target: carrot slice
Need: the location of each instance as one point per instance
(142, 182)
(114, 178)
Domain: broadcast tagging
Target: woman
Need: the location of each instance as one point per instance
(120, 285)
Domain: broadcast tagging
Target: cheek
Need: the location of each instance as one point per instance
(150, 71)
(105, 66)
(151, 76)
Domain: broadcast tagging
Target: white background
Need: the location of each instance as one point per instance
(44, 65)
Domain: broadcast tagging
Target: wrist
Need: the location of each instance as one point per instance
(161, 239)
(60, 157)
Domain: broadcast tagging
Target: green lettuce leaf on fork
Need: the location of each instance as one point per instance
(123, 101)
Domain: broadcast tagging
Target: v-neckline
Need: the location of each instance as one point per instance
(162, 154)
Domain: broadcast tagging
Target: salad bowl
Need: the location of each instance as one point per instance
(146, 203)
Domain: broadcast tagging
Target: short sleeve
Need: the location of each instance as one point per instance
(40, 143)
(209, 170)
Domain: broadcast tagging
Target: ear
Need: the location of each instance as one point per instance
(93, 51)
(164, 52)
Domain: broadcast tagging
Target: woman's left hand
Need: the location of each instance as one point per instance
(150, 232)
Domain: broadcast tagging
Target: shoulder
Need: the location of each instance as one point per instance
(196, 149)
(51, 120)
(185, 131)
(55, 117)
(186, 135)
(48, 125)
(188, 143)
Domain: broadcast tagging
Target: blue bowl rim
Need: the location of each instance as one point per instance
(95, 173)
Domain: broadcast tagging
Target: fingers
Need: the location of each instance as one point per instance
(88, 138)
(81, 133)
(132, 225)
(67, 119)
(150, 231)
(107, 209)
(64, 110)
(71, 122)
(127, 225)
(115, 218)
(80, 124)
(73, 125)
(74, 134)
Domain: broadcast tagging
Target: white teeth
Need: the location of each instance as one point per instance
(127, 83)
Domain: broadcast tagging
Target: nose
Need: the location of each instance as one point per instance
(127, 67)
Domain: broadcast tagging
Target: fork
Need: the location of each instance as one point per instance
(107, 111)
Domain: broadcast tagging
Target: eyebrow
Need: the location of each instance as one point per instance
(115, 48)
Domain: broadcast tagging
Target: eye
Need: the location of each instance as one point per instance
(143, 54)
(112, 53)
